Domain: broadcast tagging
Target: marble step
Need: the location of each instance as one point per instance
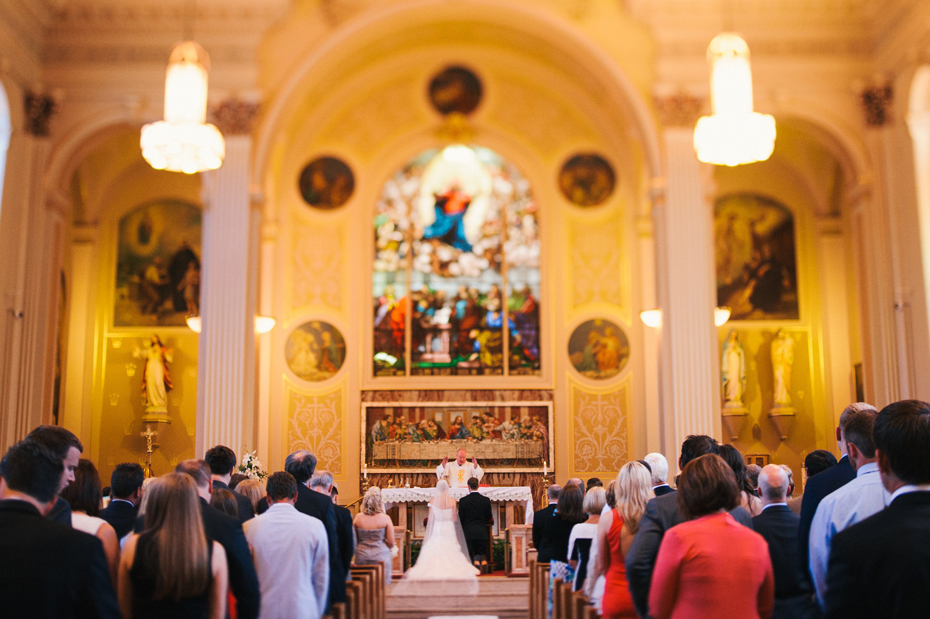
(498, 596)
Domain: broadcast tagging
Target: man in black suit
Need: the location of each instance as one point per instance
(541, 541)
(64, 444)
(658, 466)
(227, 532)
(779, 526)
(126, 492)
(47, 570)
(822, 484)
(662, 514)
(880, 567)
(475, 516)
(322, 482)
(222, 462)
(302, 464)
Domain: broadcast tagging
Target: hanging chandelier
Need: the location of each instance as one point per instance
(184, 141)
(734, 134)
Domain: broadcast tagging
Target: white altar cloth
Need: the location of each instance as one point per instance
(390, 496)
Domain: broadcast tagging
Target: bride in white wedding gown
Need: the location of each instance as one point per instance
(443, 557)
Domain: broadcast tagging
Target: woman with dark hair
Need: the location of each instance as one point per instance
(747, 492)
(85, 497)
(225, 501)
(557, 528)
(172, 570)
(710, 565)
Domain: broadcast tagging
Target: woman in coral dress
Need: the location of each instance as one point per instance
(616, 531)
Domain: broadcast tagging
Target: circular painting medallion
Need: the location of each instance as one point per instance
(315, 351)
(587, 180)
(455, 90)
(598, 349)
(326, 183)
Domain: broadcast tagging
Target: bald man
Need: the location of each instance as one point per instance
(459, 472)
(794, 596)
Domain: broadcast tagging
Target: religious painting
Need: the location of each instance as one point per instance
(326, 183)
(756, 262)
(315, 351)
(587, 180)
(598, 349)
(158, 265)
(455, 90)
(415, 437)
(445, 227)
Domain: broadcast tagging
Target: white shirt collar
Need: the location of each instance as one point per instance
(866, 469)
(774, 505)
(908, 488)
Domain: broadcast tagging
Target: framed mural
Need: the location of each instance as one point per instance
(511, 437)
(587, 180)
(456, 278)
(326, 183)
(455, 90)
(756, 261)
(598, 349)
(158, 265)
(315, 351)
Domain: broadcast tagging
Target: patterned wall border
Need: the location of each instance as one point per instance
(599, 426)
(316, 420)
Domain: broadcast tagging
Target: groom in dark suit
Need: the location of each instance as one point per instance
(475, 515)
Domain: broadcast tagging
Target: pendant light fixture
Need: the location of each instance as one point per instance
(734, 134)
(184, 141)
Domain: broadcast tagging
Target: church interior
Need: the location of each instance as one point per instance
(478, 224)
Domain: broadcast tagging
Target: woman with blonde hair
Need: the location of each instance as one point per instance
(171, 570)
(616, 530)
(254, 489)
(375, 533)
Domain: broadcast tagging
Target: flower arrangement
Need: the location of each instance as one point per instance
(252, 466)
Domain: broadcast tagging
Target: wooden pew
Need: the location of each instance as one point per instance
(353, 601)
(371, 577)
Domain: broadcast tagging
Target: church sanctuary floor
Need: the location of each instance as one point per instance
(497, 596)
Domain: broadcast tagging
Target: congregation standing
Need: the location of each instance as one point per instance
(725, 541)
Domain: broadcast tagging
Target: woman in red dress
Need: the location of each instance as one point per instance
(615, 534)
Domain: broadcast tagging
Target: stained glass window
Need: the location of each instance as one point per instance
(456, 272)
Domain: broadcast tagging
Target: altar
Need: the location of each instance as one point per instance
(412, 511)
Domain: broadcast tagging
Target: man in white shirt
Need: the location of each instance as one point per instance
(291, 555)
(459, 472)
(852, 503)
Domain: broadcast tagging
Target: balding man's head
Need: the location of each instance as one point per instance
(773, 484)
(460, 457)
(554, 492)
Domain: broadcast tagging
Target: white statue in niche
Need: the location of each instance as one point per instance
(782, 360)
(156, 378)
(733, 371)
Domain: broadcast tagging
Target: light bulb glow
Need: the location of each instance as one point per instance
(651, 317)
(183, 142)
(721, 315)
(734, 134)
(264, 324)
(193, 322)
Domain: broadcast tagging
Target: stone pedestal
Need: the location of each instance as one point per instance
(520, 536)
(783, 419)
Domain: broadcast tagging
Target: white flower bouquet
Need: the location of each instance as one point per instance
(252, 467)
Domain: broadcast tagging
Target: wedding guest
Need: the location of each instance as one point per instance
(815, 462)
(375, 532)
(322, 483)
(710, 565)
(659, 467)
(225, 501)
(558, 528)
(222, 462)
(616, 530)
(610, 497)
(227, 530)
(254, 489)
(291, 555)
(172, 569)
(661, 515)
(66, 446)
(594, 482)
(84, 496)
(235, 479)
(582, 543)
(541, 541)
(126, 492)
(46, 570)
(752, 472)
(748, 499)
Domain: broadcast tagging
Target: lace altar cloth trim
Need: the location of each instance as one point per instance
(424, 495)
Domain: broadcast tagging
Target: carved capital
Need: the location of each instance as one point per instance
(679, 110)
(39, 110)
(876, 104)
(235, 116)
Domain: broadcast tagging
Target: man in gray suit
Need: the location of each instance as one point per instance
(662, 514)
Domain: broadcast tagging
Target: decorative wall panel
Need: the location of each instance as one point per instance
(599, 426)
(597, 262)
(316, 421)
(318, 273)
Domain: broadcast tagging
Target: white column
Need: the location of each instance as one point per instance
(834, 298)
(646, 249)
(684, 225)
(226, 374)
